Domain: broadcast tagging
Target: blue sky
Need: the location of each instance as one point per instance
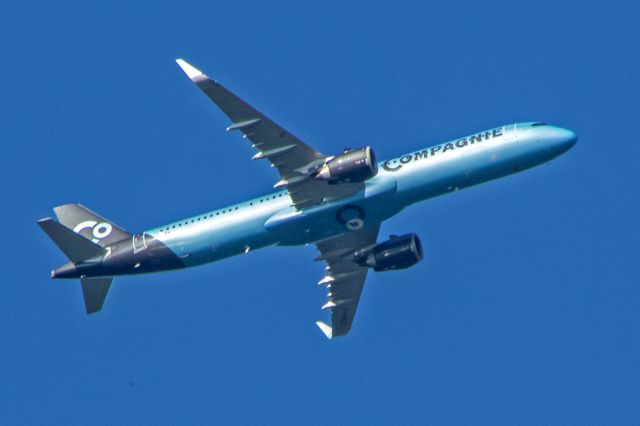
(524, 311)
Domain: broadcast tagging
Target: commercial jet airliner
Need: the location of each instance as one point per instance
(336, 202)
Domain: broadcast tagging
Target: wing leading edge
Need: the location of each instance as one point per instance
(294, 160)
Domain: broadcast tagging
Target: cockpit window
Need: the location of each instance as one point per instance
(538, 124)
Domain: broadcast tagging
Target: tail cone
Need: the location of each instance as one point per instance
(68, 270)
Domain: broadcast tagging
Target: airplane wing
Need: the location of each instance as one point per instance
(344, 278)
(294, 159)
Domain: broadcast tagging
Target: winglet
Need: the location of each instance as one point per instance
(328, 331)
(192, 72)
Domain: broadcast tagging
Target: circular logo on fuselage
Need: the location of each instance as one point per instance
(388, 167)
(351, 216)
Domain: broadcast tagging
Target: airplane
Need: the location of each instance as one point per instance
(336, 202)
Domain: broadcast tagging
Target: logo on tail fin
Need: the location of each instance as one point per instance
(99, 230)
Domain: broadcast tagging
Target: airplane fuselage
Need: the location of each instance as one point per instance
(271, 220)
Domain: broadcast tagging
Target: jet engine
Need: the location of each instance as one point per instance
(399, 252)
(355, 165)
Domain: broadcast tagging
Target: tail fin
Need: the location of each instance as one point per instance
(94, 291)
(78, 249)
(74, 246)
(90, 225)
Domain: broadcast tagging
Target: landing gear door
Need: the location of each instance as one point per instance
(139, 242)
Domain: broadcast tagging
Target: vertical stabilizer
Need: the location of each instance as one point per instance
(90, 224)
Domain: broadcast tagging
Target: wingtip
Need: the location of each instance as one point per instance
(191, 71)
(328, 331)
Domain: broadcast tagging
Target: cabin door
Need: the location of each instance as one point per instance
(139, 242)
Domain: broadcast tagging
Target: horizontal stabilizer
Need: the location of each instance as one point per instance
(76, 247)
(94, 291)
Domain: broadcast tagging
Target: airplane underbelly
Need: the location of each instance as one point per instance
(220, 242)
(376, 204)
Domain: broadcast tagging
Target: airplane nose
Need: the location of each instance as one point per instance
(565, 138)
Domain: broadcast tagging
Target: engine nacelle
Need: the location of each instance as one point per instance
(355, 165)
(399, 252)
